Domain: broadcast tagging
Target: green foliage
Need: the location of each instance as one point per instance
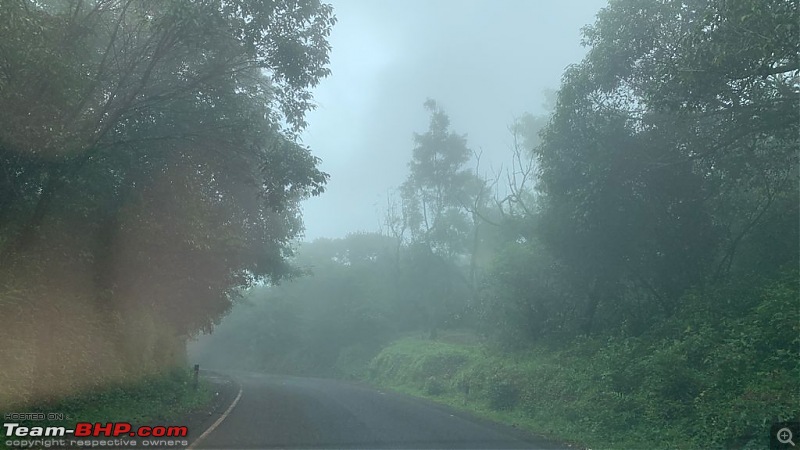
(408, 362)
(668, 163)
(434, 191)
(433, 386)
(161, 398)
(150, 169)
(441, 199)
(524, 293)
(502, 393)
(155, 398)
(704, 379)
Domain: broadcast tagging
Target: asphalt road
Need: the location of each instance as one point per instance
(293, 412)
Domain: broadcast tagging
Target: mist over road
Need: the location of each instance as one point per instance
(294, 412)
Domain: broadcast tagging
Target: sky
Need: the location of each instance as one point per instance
(485, 63)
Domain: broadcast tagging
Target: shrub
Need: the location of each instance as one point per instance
(502, 393)
(434, 386)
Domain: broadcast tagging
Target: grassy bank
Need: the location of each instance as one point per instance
(628, 393)
(156, 399)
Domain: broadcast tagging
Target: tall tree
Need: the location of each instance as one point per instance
(438, 184)
(436, 198)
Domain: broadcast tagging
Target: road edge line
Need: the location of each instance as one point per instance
(218, 421)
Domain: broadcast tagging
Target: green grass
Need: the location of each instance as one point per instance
(474, 379)
(606, 393)
(150, 400)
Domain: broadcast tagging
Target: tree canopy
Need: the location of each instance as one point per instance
(149, 153)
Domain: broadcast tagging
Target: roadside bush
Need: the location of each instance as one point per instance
(413, 362)
(442, 364)
(433, 386)
(502, 393)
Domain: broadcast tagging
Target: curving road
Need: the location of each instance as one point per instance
(293, 412)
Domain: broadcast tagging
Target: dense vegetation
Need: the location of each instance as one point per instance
(154, 399)
(149, 168)
(710, 389)
(637, 275)
(634, 273)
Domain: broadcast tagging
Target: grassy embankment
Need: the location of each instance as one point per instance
(152, 400)
(694, 383)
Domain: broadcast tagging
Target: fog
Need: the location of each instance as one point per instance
(486, 63)
(288, 193)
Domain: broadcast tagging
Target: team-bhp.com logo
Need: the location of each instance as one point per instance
(87, 429)
(87, 434)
